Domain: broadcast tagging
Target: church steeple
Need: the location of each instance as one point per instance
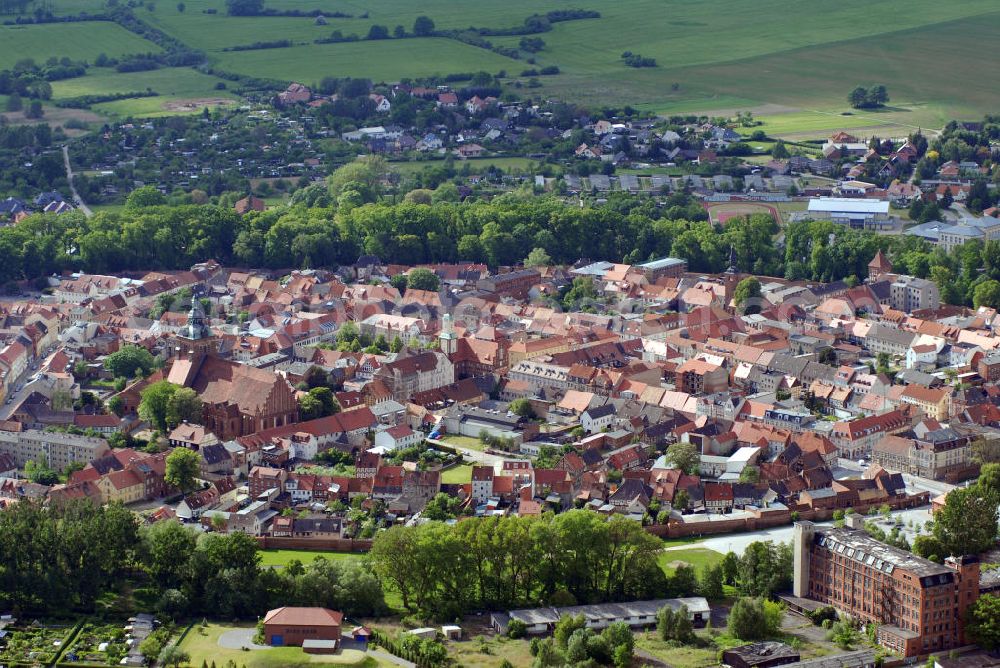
(448, 340)
(196, 328)
(733, 269)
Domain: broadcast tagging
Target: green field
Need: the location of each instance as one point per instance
(466, 442)
(281, 558)
(181, 90)
(792, 63)
(699, 557)
(78, 41)
(458, 475)
(202, 644)
(387, 60)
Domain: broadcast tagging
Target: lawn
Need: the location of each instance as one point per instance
(490, 652)
(457, 475)
(202, 644)
(678, 657)
(281, 558)
(387, 60)
(699, 557)
(78, 41)
(466, 442)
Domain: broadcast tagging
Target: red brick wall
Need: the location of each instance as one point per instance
(294, 635)
(331, 544)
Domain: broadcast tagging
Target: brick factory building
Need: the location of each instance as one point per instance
(917, 604)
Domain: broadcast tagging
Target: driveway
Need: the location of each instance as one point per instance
(240, 638)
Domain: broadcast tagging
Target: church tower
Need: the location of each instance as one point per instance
(448, 340)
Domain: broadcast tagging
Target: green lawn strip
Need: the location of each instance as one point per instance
(276, 558)
(457, 475)
(466, 442)
(698, 557)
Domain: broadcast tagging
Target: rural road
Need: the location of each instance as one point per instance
(72, 188)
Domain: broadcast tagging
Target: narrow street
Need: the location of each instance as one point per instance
(72, 187)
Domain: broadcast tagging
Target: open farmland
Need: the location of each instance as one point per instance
(791, 63)
(180, 90)
(78, 41)
(386, 60)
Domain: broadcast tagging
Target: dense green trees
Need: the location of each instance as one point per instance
(967, 524)
(423, 279)
(182, 468)
(755, 618)
(868, 98)
(62, 558)
(747, 295)
(684, 456)
(983, 622)
(443, 571)
(358, 219)
(318, 402)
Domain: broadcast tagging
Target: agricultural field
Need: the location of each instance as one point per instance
(387, 60)
(203, 644)
(792, 68)
(180, 90)
(77, 41)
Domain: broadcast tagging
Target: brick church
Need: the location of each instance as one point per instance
(237, 399)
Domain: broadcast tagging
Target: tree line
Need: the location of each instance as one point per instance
(65, 558)
(331, 224)
(578, 557)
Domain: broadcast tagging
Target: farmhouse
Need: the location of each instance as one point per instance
(295, 626)
(858, 213)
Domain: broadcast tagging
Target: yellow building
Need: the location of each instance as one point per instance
(523, 350)
(935, 403)
(124, 486)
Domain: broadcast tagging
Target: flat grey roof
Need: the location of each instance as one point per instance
(661, 263)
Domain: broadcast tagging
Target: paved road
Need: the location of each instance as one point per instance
(239, 639)
(390, 658)
(72, 188)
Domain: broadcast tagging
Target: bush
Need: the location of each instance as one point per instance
(821, 615)
(516, 629)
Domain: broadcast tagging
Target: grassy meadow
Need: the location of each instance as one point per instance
(78, 41)
(384, 60)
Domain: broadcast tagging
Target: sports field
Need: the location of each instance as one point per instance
(77, 41)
